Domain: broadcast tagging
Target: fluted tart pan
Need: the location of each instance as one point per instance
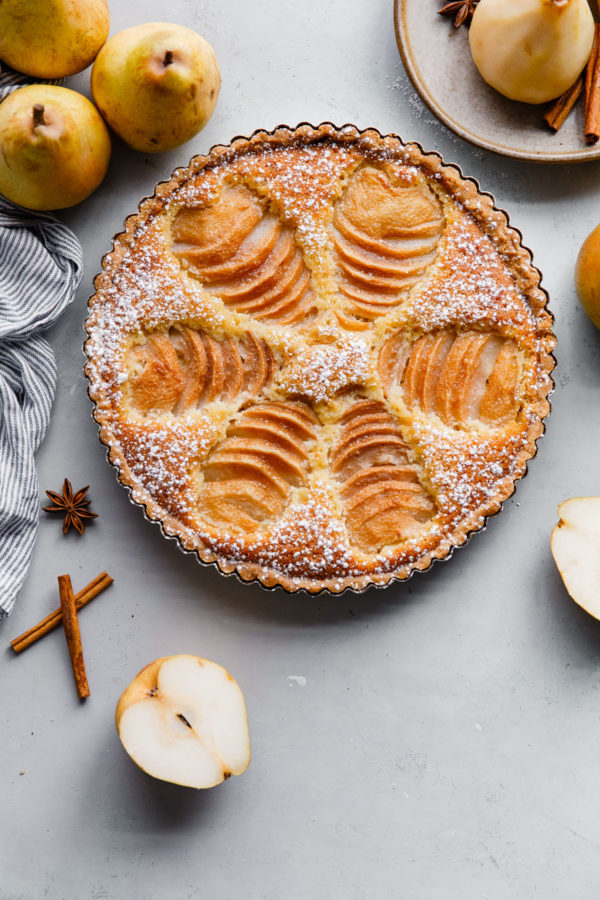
(319, 357)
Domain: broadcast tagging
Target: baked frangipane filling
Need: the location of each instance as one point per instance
(320, 358)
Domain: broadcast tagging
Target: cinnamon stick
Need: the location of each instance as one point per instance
(589, 69)
(561, 107)
(592, 111)
(73, 635)
(53, 620)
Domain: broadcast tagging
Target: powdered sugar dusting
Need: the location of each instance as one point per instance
(466, 468)
(470, 284)
(321, 371)
(147, 290)
(306, 540)
(161, 457)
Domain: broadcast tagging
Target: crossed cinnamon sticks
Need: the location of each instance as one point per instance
(70, 604)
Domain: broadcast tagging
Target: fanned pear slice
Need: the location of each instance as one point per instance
(576, 550)
(183, 719)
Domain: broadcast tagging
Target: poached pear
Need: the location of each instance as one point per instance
(156, 85)
(531, 50)
(54, 147)
(52, 38)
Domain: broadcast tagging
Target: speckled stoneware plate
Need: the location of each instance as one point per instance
(438, 62)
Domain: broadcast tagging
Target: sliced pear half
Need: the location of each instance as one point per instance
(576, 550)
(183, 719)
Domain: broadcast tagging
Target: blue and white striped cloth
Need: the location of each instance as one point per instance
(11, 80)
(40, 267)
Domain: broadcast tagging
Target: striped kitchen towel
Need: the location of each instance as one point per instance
(11, 80)
(40, 267)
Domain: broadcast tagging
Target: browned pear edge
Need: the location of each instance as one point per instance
(133, 688)
(493, 221)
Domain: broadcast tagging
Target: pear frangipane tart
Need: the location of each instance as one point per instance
(319, 357)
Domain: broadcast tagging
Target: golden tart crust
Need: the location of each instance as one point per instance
(319, 357)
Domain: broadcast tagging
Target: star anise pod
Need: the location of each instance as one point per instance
(462, 10)
(73, 506)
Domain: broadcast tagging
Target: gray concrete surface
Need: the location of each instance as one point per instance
(446, 740)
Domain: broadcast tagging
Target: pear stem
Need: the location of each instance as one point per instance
(168, 58)
(38, 115)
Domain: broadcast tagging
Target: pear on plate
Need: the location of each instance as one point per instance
(54, 147)
(52, 38)
(531, 50)
(576, 550)
(156, 85)
(183, 719)
(587, 276)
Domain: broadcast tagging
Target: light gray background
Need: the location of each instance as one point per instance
(446, 743)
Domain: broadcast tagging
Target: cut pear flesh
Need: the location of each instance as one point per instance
(183, 720)
(576, 551)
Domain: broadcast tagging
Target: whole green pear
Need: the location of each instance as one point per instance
(54, 147)
(52, 38)
(156, 85)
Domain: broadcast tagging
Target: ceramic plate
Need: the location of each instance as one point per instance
(438, 62)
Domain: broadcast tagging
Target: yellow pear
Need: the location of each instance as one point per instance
(52, 38)
(54, 147)
(587, 276)
(156, 85)
(531, 50)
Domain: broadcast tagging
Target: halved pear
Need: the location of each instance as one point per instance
(183, 719)
(576, 550)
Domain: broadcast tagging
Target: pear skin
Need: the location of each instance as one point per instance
(156, 85)
(54, 147)
(52, 38)
(587, 276)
